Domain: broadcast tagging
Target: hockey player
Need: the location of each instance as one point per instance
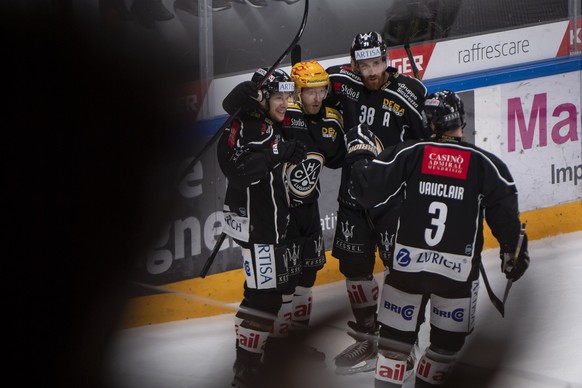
(450, 188)
(369, 91)
(320, 128)
(253, 157)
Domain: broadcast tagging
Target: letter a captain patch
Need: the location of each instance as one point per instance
(446, 161)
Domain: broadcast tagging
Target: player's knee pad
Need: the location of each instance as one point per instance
(435, 366)
(401, 310)
(451, 319)
(362, 291)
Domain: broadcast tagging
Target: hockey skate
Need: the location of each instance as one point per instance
(360, 356)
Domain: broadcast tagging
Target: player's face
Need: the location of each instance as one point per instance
(373, 72)
(278, 103)
(312, 99)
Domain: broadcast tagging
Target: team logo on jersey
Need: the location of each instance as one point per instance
(347, 230)
(303, 177)
(446, 161)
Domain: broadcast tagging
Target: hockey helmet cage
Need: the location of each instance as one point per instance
(368, 45)
(309, 75)
(446, 110)
(278, 81)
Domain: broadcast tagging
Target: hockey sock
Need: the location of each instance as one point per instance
(434, 367)
(363, 294)
(302, 302)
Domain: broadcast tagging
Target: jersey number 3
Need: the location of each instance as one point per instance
(434, 235)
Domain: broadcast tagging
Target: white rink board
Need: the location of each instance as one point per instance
(543, 116)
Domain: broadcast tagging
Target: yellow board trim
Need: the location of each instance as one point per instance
(193, 298)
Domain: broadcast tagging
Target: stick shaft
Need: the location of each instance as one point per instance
(218, 133)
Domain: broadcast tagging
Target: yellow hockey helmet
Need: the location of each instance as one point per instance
(309, 74)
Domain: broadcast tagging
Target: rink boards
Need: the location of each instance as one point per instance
(528, 115)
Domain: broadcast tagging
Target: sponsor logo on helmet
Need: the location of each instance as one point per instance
(286, 87)
(432, 102)
(374, 52)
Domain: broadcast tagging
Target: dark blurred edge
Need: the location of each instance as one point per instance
(85, 123)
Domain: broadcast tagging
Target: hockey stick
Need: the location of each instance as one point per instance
(210, 259)
(513, 261)
(296, 54)
(494, 299)
(411, 59)
(500, 304)
(218, 133)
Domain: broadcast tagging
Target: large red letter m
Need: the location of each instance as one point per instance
(527, 131)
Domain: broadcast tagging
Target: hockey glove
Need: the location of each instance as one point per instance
(360, 142)
(292, 151)
(245, 96)
(514, 267)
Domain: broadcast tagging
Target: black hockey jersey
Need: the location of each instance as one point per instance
(324, 138)
(449, 187)
(393, 113)
(256, 204)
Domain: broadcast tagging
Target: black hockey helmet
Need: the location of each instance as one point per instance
(445, 109)
(278, 81)
(368, 45)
